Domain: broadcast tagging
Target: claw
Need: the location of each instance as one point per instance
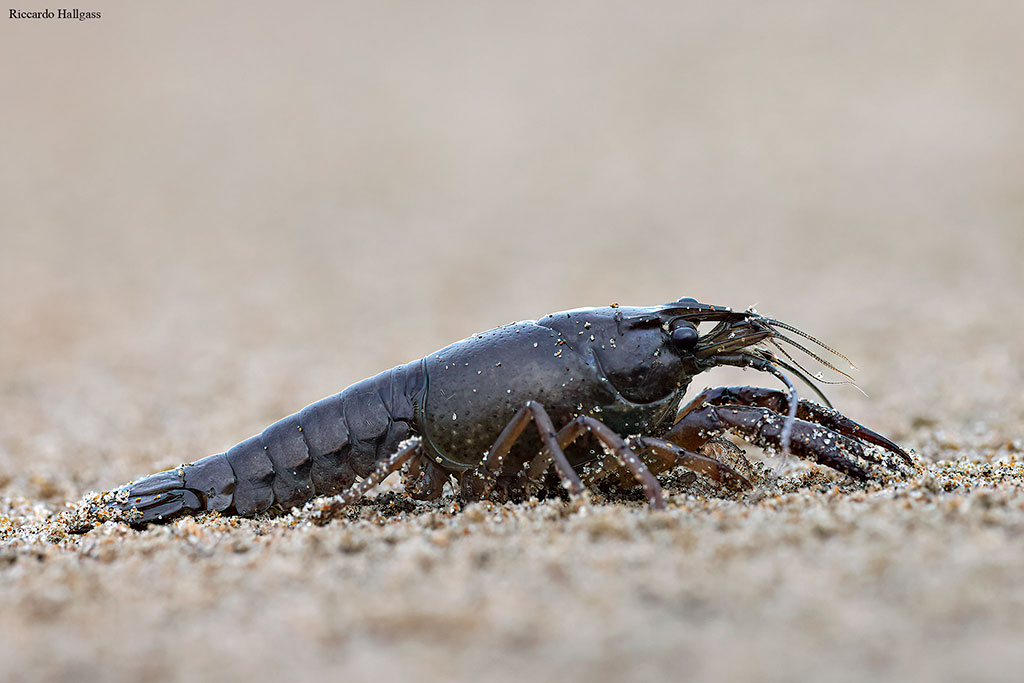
(810, 440)
(808, 411)
(819, 436)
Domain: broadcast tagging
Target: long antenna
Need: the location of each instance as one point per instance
(785, 326)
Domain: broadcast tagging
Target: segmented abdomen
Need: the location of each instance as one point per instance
(319, 450)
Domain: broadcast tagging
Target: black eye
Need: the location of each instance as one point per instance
(684, 337)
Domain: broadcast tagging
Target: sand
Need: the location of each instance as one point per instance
(212, 217)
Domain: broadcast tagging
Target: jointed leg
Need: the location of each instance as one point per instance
(409, 449)
(661, 455)
(616, 445)
(479, 481)
(668, 455)
(423, 480)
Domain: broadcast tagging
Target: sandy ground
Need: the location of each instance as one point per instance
(212, 216)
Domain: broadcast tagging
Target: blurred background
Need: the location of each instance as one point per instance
(213, 214)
